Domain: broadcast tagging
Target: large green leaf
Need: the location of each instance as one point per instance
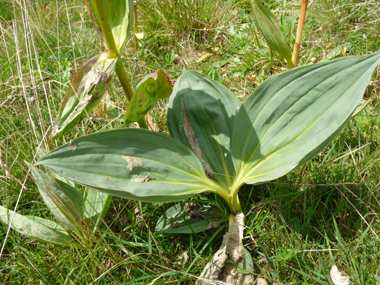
(292, 116)
(152, 87)
(120, 17)
(201, 115)
(96, 206)
(132, 163)
(86, 89)
(36, 227)
(64, 201)
(271, 31)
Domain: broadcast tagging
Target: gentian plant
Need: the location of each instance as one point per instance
(216, 145)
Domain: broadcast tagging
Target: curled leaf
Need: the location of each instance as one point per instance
(86, 89)
(152, 87)
(231, 249)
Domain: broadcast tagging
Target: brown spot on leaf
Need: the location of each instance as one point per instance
(195, 213)
(72, 146)
(212, 225)
(178, 224)
(190, 134)
(93, 78)
(140, 179)
(132, 162)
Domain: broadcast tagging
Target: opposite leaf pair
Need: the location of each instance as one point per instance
(218, 144)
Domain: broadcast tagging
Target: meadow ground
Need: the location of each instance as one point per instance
(298, 226)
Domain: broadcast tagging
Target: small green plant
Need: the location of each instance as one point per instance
(78, 214)
(218, 144)
(271, 31)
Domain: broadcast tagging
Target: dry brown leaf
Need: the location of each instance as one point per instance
(152, 125)
(261, 281)
(231, 249)
(339, 277)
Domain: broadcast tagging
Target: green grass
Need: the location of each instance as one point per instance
(322, 213)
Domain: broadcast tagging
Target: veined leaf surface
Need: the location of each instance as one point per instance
(132, 163)
(201, 115)
(86, 89)
(152, 87)
(292, 116)
(36, 227)
(269, 28)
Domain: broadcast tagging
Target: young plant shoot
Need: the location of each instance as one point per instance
(218, 144)
(267, 24)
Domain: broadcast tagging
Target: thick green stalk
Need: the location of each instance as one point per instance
(123, 78)
(234, 189)
(216, 188)
(110, 41)
(235, 202)
(106, 28)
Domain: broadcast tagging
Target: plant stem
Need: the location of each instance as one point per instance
(106, 28)
(222, 192)
(113, 52)
(234, 189)
(123, 78)
(301, 22)
(235, 202)
(233, 205)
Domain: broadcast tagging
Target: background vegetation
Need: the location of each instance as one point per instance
(325, 212)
